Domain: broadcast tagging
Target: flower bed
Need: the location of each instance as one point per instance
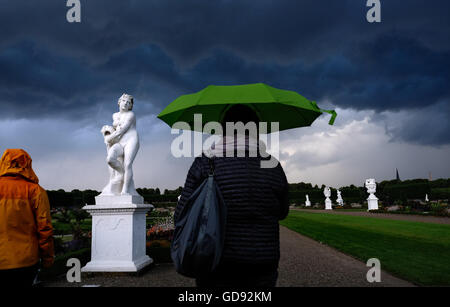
(159, 237)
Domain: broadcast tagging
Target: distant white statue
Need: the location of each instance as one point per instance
(307, 203)
(372, 200)
(328, 203)
(426, 198)
(339, 199)
(122, 145)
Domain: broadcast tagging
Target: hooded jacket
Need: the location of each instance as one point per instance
(256, 199)
(26, 232)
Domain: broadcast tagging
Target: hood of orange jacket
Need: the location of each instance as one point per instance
(17, 162)
(26, 232)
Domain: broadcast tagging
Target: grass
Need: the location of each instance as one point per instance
(337, 210)
(415, 251)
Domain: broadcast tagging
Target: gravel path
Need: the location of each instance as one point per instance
(158, 275)
(400, 217)
(304, 262)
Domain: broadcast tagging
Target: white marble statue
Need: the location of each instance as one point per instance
(307, 203)
(119, 214)
(372, 200)
(328, 203)
(426, 198)
(339, 199)
(122, 145)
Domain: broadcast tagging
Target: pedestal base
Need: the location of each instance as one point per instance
(328, 204)
(118, 237)
(307, 204)
(117, 266)
(372, 203)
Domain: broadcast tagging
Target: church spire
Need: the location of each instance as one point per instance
(398, 177)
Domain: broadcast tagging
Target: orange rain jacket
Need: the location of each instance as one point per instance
(26, 232)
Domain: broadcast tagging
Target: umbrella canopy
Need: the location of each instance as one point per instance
(289, 108)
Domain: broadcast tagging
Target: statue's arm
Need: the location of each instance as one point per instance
(120, 131)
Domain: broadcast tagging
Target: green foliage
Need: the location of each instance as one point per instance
(440, 193)
(439, 208)
(75, 198)
(410, 189)
(59, 267)
(164, 204)
(61, 228)
(160, 254)
(154, 195)
(440, 183)
(388, 191)
(71, 221)
(298, 191)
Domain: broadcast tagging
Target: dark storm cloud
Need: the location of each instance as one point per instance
(158, 50)
(428, 126)
(188, 29)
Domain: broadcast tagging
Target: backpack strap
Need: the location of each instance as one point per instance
(211, 166)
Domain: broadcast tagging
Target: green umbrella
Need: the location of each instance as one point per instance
(288, 108)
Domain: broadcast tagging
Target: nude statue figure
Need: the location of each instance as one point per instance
(122, 145)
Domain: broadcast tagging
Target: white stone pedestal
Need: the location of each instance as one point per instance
(372, 202)
(307, 203)
(118, 234)
(328, 204)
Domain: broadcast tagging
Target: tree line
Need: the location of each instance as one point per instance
(388, 192)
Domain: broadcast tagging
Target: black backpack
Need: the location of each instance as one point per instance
(198, 239)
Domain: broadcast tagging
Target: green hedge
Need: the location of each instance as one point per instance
(59, 267)
(404, 191)
(440, 193)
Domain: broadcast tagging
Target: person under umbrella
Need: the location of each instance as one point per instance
(256, 199)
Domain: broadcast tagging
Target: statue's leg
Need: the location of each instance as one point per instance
(130, 151)
(113, 158)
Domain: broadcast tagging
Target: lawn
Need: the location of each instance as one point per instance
(414, 251)
(337, 210)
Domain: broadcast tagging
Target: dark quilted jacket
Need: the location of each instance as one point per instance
(256, 199)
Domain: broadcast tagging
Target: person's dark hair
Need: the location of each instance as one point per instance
(240, 113)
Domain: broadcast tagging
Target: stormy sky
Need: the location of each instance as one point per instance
(388, 81)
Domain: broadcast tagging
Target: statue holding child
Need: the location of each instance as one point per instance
(122, 145)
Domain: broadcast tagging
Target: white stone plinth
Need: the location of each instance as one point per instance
(112, 200)
(118, 235)
(328, 204)
(372, 202)
(307, 203)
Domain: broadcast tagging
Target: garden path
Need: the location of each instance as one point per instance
(304, 262)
